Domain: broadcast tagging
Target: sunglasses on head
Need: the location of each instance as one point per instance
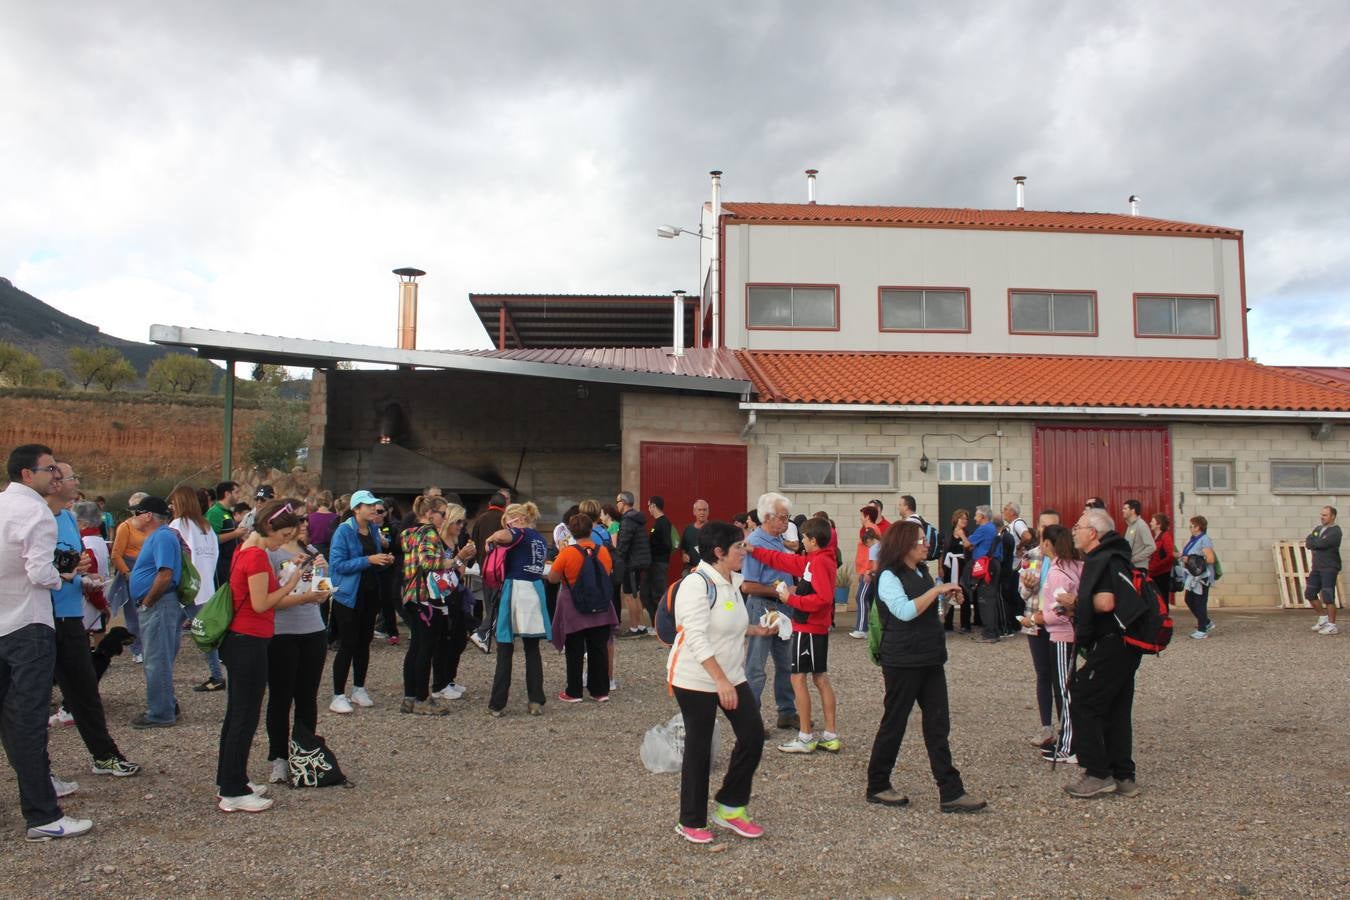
(285, 508)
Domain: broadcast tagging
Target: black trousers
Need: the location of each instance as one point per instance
(1043, 661)
(593, 644)
(79, 688)
(1103, 705)
(427, 639)
(654, 585)
(904, 686)
(356, 629)
(699, 709)
(967, 609)
(989, 596)
(294, 670)
(390, 598)
(27, 659)
(534, 673)
(245, 659)
(445, 663)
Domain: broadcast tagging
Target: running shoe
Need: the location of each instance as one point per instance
(736, 819)
(797, 745)
(115, 766)
(692, 835)
(251, 803)
(63, 827)
(60, 717)
(568, 698)
(63, 788)
(832, 745)
(361, 698)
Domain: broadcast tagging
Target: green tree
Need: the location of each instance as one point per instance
(18, 367)
(51, 378)
(265, 383)
(278, 435)
(88, 364)
(117, 374)
(179, 373)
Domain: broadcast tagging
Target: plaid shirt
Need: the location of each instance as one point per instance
(423, 553)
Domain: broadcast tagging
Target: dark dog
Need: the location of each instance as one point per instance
(111, 645)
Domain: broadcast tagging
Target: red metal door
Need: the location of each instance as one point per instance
(683, 473)
(1115, 463)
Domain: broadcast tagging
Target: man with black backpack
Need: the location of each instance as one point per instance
(1103, 688)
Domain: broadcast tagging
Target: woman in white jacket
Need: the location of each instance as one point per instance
(706, 670)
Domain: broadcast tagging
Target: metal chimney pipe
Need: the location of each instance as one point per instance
(678, 335)
(1021, 182)
(407, 307)
(811, 185)
(716, 273)
(1134, 204)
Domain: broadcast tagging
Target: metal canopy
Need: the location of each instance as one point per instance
(533, 321)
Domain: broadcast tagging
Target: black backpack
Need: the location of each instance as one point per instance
(1143, 615)
(311, 763)
(930, 534)
(593, 591)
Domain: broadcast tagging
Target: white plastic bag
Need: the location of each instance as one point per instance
(663, 745)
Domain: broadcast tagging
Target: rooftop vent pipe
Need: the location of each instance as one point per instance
(716, 274)
(811, 185)
(1134, 204)
(678, 333)
(407, 307)
(1021, 182)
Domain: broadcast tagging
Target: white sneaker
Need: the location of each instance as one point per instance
(451, 691)
(340, 704)
(361, 698)
(1199, 635)
(1329, 628)
(59, 718)
(64, 788)
(63, 827)
(258, 790)
(614, 684)
(138, 658)
(248, 803)
(1321, 620)
(858, 635)
(281, 771)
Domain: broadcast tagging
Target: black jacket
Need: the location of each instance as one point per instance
(919, 642)
(661, 547)
(1106, 569)
(634, 545)
(1325, 544)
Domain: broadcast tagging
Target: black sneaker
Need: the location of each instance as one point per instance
(143, 722)
(209, 685)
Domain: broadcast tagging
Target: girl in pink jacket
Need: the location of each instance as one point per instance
(1066, 568)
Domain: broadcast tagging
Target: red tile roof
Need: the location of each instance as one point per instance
(954, 379)
(991, 219)
(704, 363)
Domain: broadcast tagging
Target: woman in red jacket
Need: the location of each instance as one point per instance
(812, 617)
(1164, 558)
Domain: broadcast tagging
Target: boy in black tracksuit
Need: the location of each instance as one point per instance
(1103, 688)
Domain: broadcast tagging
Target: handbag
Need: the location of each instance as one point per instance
(213, 621)
(980, 570)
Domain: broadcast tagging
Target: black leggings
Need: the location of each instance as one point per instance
(294, 670)
(429, 637)
(593, 644)
(356, 629)
(245, 659)
(445, 662)
(699, 709)
(1043, 661)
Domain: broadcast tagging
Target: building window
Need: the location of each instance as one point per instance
(1304, 477)
(1214, 476)
(925, 309)
(1168, 316)
(813, 307)
(837, 471)
(964, 471)
(1059, 312)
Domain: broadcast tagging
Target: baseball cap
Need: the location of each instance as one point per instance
(265, 492)
(363, 498)
(154, 505)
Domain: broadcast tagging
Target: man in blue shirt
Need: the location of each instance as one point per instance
(983, 544)
(760, 596)
(154, 583)
(74, 665)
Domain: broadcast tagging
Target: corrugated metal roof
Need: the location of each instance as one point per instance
(705, 363)
(946, 217)
(955, 379)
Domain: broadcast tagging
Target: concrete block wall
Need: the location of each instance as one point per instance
(691, 418)
(1246, 523)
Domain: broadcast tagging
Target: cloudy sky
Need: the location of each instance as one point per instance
(261, 166)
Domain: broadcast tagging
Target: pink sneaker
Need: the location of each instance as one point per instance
(694, 835)
(737, 820)
(568, 698)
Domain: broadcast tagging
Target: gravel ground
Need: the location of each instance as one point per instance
(1240, 741)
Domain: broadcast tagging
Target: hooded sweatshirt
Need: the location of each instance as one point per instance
(815, 573)
(1107, 569)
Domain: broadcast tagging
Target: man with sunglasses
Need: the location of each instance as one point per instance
(28, 575)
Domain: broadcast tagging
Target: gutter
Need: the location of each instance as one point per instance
(1141, 412)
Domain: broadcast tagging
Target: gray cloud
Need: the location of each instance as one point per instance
(249, 165)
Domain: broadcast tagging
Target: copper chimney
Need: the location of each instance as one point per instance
(407, 307)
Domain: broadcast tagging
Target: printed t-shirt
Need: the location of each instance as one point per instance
(525, 561)
(250, 561)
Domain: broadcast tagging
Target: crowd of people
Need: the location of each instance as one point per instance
(310, 577)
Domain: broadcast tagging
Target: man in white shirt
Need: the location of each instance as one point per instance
(28, 575)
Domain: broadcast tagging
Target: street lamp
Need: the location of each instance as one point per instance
(670, 232)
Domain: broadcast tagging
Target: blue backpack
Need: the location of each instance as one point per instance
(593, 591)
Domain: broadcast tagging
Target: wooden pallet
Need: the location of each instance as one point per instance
(1292, 561)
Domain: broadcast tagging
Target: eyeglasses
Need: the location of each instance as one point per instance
(54, 469)
(71, 477)
(740, 545)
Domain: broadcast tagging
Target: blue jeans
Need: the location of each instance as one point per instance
(757, 653)
(27, 661)
(162, 632)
